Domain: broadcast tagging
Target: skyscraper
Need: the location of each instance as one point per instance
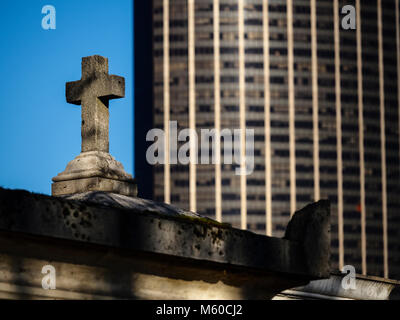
(323, 101)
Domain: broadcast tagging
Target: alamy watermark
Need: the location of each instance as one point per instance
(349, 21)
(49, 20)
(349, 280)
(232, 146)
(49, 280)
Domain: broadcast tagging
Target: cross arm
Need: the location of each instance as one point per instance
(73, 92)
(98, 85)
(114, 87)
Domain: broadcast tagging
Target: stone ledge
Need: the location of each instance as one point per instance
(168, 233)
(366, 288)
(87, 271)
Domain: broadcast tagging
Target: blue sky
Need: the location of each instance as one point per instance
(39, 130)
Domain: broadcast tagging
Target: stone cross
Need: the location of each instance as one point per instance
(93, 92)
(94, 169)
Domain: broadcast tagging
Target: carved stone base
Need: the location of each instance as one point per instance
(94, 171)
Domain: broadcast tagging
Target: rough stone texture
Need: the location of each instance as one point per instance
(185, 247)
(137, 204)
(366, 288)
(92, 171)
(94, 168)
(94, 272)
(311, 227)
(146, 230)
(95, 183)
(93, 92)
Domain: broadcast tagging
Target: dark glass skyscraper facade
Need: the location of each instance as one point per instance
(323, 102)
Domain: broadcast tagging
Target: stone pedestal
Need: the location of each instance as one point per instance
(94, 171)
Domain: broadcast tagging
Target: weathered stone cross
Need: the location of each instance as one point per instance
(94, 169)
(93, 92)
